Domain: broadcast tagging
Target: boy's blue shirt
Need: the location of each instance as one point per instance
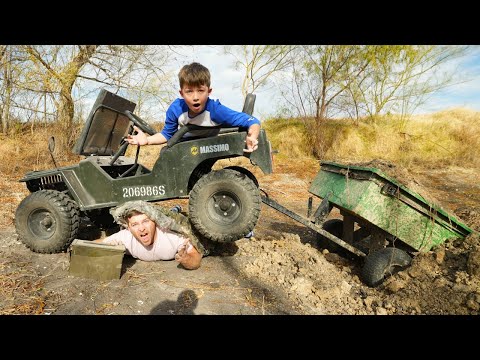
(214, 114)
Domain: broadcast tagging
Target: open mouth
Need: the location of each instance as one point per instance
(196, 106)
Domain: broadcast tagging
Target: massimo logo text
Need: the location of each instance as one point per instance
(214, 148)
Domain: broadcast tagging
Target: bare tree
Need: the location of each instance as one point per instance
(259, 63)
(63, 76)
(5, 86)
(331, 69)
(59, 70)
(364, 80)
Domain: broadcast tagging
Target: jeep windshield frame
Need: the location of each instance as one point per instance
(106, 126)
(106, 132)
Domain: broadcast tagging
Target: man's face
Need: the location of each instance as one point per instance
(195, 97)
(142, 228)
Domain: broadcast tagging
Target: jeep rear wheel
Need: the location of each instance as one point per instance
(47, 221)
(224, 205)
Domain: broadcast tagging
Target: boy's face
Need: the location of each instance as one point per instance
(142, 228)
(195, 97)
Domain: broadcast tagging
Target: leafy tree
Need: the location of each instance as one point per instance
(359, 80)
(363, 80)
(401, 77)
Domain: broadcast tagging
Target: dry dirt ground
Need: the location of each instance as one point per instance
(279, 271)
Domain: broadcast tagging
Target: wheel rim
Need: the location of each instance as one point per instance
(223, 207)
(42, 224)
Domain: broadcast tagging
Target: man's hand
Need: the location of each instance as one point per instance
(139, 139)
(188, 256)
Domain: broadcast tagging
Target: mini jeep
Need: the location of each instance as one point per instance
(224, 205)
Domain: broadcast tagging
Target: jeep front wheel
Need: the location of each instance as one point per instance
(47, 221)
(224, 205)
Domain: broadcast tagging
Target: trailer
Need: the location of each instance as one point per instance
(383, 222)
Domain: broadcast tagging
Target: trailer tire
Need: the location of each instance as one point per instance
(47, 221)
(383, 263)
(224, 205)
(334, 227)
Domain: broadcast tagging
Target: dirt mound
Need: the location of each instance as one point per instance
(442, 281)
(471, 216)
(308, 278)
(437, 282)
(403, 177)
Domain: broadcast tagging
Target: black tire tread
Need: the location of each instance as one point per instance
(382, 263)
(246, 172)
(69, 216)
(334, 227)
(236, 178)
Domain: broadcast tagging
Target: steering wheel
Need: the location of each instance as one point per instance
(141, 124)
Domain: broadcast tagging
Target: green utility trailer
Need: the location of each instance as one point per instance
(383, 220)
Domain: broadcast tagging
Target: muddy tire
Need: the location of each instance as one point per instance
(224, 205)
(383, 263)
(334, 227)
(47, 221)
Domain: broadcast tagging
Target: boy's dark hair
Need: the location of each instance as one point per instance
(194, 74)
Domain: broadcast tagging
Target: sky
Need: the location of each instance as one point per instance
(225, 81)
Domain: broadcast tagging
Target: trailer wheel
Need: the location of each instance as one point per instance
(334, 227)
(47, 221)
(383, 263)
(224, 205)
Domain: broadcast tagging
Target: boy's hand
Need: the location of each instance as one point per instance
(252, 138)
(139, 139)
(252, 144)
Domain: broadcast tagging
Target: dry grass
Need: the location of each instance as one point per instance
(445, 138)
(288, 137)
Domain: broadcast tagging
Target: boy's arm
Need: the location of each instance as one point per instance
(171, 119)
(156, 139)
(225, 115)
(143, 139)
(170, 127)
